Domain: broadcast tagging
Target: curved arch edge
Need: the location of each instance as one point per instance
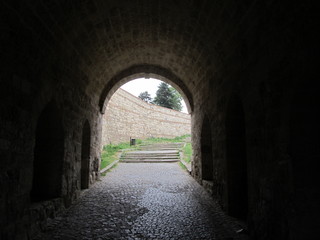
(147, 71)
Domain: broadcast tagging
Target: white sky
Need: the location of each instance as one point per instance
(140, 85)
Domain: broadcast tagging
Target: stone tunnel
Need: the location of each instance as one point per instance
(247, 70)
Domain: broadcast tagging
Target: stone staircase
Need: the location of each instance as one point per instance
(154, 153)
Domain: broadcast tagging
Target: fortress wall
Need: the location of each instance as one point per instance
(128, 116)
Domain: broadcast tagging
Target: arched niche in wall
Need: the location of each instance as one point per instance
(145, 71)
(48, 155)
(305, 155)
(237, 182)
(206, 151)
(85, 155)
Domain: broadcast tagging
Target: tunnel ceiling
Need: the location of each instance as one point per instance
(127, 33)
(102, 38)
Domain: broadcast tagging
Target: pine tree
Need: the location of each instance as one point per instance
(167, 96)
(145, 96)
(176, 99)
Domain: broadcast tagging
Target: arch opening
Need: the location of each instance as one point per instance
(145, 71)
(85, 155)
(206, 151)
(237, 182)
(48, 155)
(146, 89)
(127, 115)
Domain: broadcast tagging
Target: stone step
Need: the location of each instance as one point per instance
(151, 158)
(154, 153)
(150, 154)
(148, 157)
(149, 161)
(162, 146)
(159, 147)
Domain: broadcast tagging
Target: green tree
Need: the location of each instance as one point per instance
(167, 96)
(145, 96)
(176, 99)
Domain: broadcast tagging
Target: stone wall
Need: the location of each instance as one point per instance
(128, 116)
(261, 56)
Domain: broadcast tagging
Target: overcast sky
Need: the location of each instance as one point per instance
(150, 85)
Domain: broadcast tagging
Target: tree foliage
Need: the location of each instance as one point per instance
(167, 96)
(145, 96)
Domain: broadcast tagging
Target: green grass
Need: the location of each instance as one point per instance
(109, 153)
(187, 152)
(138, 141)
(165, 140)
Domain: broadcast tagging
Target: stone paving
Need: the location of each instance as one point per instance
(144, 201)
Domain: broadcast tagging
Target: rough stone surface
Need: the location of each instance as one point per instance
(128, 116)
(258, 56)
(144, 201)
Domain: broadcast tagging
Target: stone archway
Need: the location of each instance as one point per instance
(237, 182)
(48, 155)
(85, 155)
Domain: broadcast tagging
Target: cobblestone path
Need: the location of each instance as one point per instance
(144, 201)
